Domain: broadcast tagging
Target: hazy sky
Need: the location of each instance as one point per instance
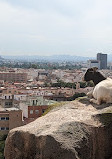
(47, 27)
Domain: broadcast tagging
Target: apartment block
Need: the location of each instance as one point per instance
(36, 111)
(7, 100)
(13, 76)
(9, 119)
(93, 63)
(34, 106)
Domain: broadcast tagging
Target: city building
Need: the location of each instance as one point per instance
(13, 76)
(34, 106)
(94, 63)
(103, 60)
(10, 118)
(7, 100)
(36, 111)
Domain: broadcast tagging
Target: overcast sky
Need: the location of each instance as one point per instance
(48, 27)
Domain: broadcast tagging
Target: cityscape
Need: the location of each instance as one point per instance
(28, 89)
(55, 79)
(28, 92)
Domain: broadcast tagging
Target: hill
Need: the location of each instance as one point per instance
(53, 58)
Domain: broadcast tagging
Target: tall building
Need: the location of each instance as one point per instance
(103, 60)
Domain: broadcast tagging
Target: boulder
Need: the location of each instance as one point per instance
(72, 130)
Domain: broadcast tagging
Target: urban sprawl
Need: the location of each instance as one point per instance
(27, 91)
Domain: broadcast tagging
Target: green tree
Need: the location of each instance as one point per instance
(2, 145)
(90, 84)
(77, 95)
(34, 66)
(83, 84)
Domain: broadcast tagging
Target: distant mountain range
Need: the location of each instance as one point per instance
(53, 58)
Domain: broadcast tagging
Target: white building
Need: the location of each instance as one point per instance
(93, 63)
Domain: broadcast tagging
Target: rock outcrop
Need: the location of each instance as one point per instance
(74, 130)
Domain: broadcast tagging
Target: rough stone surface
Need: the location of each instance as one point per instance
(75, 130)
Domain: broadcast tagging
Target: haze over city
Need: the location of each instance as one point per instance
(33, 27)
